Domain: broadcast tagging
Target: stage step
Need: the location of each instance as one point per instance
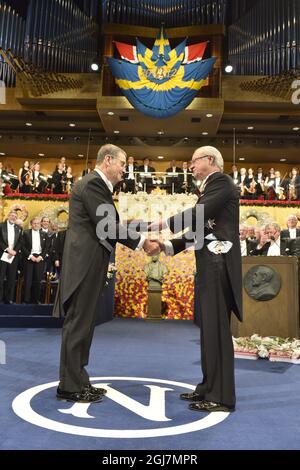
(28, 316)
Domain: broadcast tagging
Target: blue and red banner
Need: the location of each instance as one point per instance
(162, 81)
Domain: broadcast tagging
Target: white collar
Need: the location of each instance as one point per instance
(205, 179)
(105, 179)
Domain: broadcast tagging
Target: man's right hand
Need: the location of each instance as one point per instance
(157, 226)
(152, 247)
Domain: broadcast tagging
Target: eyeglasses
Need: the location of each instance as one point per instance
(122, 163)
(198, 158)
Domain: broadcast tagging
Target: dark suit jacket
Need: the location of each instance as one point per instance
(221, 204)
(181, 178)
(58, 242)
(288, 247)
(135, 168)
(87, 171)
(27, 243)
(4, 237)
(238, 177)
(141, 169)
(83, 246)
(170, 170)
(286, 233)
(251, 246)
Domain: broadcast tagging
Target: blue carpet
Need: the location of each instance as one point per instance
(161, 360)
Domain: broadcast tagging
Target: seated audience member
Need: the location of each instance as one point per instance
(274, 246)
(251, 233)
(292, 231)
(247, 246)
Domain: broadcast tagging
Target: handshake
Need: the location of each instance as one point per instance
(154, 247)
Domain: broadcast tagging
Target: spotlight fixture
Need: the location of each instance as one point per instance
(80, 155)
(228, 68)
(72, 124)
(28, 124)
(282, 160)
(48, 138)
(209, 115)
(161, 132)
(2, 154)
(250, 128)
(160, 157)
(204, 133)
(116, 132)
(61, 138)
(41, 154)
(95, 65)
(110, 113)
(296, 128)
(242, 159)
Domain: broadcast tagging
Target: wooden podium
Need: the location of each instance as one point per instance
(278, 316)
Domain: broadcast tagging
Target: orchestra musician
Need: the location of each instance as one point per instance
(185, 179)
(58, 179)
(39, 180)
(25, 178)
(130, 176)
(294, 185)
(69, 178)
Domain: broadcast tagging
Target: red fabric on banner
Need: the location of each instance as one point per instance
(127, 51)
(194, 52)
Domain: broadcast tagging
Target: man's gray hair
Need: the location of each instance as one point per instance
(108, 149)
(215, 153)
(274, 225)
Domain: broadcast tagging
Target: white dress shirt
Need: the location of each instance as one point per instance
(293, 232)
(130, 172)
(243, 247)
(274, 248)
(36, 242)
(111, 188)
(106, 180)
(10, 235)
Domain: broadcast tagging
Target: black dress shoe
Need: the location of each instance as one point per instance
(191, 396)
(78, 397)
(95, 390)
(206, 405)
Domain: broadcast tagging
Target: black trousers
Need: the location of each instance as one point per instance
(216, 302)
(8, 272)
(33, 275)
(81, 311)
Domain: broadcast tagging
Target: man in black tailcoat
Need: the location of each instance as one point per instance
(92, 234)
(219, 276)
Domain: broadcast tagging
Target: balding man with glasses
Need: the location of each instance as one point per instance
(219, 276)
